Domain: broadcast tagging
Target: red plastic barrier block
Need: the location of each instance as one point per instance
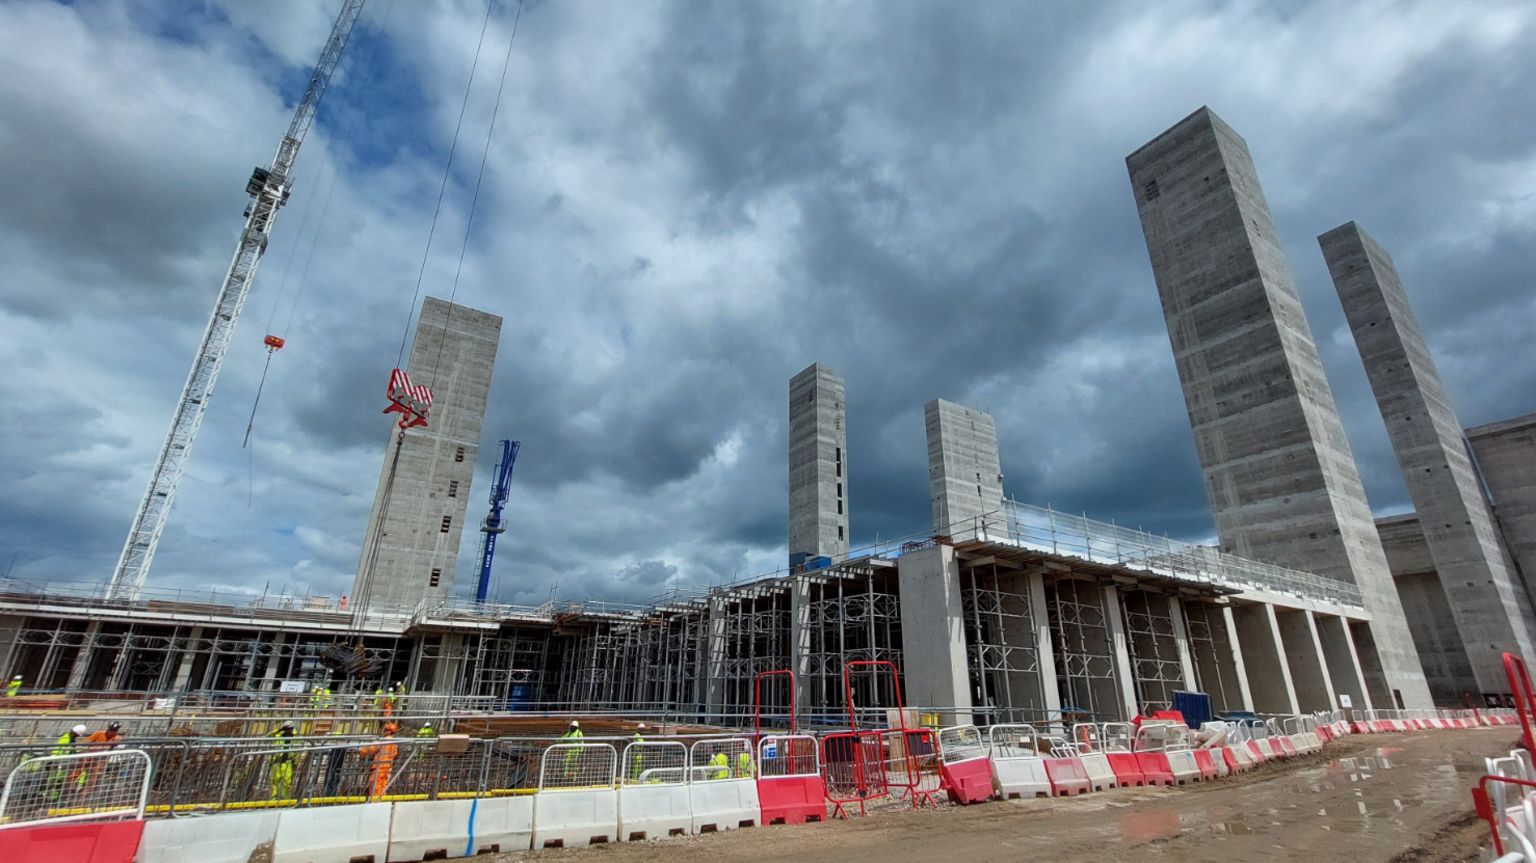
(1154, 766)
(1260, 753)
(1233, 765)
(1206, 764)
(1127, 771)
(969, 781)
(1362, 727)
(792, 799)
(1272, 748)
(1067, 776)
(1286, 746)
(113, 842)
(1324, 733)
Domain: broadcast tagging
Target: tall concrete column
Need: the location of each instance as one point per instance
(188, 657)
(269, 674)
(10, 634)
(1121, 652)
(1181, 638)
(1304, 658)
(1269, 677)
(82, 663)
(1343, 664)
(1045, 650)
(1239, 666)
(932, 637)
(714, 682)
(800, 640)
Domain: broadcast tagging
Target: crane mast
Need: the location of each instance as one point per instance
(493, 525)
(269, 189)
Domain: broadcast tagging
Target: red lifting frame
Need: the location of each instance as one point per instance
(915, 791)
(1525, 696)
(757, 700)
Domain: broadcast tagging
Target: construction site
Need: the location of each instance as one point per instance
(1006, 652)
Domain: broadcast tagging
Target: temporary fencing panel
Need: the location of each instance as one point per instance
(967, 770)
(332, 834)
(912, 766)
(653, 791)
(89, 786)
(112, 842)
(577, 803)
(1018, 770)
(225, 838)
(790, 789)
(853, 768)
(722, 790)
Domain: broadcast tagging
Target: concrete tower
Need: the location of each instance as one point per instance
(818, 467)
(1506, 458)
(965, 478)
(1492, 612)
(422, 511)
(1282, 482)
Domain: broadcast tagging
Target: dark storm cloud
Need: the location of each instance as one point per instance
(687, 203)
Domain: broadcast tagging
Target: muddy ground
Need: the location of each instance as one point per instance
(1403, 797)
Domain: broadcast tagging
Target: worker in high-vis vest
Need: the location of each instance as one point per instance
(637, 761)
(572, 735)
(745, 769)
(425, 730)
(13, 688)
(281, 772)
(719, 766)
(67, 744)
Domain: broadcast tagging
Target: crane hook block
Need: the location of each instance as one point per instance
(413, 402)
(274, 343)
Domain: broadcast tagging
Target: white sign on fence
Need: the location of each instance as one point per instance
(296, 686)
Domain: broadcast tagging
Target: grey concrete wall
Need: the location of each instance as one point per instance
(1278, 469)
(965, 476)
(1506, 454)
(1436, 634)
(1343, 665)
(1304, 658)
(1490, 606)
(454, 353)
(1269, 678)
(934, 668)
(818, 464)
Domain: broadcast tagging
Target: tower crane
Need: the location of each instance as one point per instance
(269, 188)
(493, 524)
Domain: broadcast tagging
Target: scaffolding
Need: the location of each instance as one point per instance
(853, 613)
(1210, 646)
(999, 620)
(1152, 642)
(1083, 646)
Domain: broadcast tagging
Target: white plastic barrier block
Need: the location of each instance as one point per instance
(1100, 775)
(572, 819)
(333, 834)
(224, 838)
(1245, 757)
(654, 811)
(458, 828)
(1020, 777)
(723, 804)
(1182, 763)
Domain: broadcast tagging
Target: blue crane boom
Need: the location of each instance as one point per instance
(493, 523)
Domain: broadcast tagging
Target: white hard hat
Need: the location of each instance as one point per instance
(78, 729)
(575, 724)
(426, 725)
(641, 727)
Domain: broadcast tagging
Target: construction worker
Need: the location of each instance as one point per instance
(378, 700)
(67, 744)
(572, 735)
(745, 769)
(282, 763)
(719, 766)
(383, 753)
(425, 730)
(325, 698)
(637, 763)
(13, 688)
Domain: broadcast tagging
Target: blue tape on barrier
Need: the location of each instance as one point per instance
(469, 848)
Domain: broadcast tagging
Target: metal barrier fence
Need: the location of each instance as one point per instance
(80, 787)
(781, 756)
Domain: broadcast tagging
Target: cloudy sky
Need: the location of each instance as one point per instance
(684, 204)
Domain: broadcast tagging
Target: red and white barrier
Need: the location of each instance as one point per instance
(790, 789)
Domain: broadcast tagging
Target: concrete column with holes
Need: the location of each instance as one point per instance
(934, 665)
(1045, 651)
(1181, 638)
(1126, 681)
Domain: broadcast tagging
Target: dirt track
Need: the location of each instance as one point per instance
(1379, 798)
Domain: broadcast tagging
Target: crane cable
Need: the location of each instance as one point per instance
(474, 200)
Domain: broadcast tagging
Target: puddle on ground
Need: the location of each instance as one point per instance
(1442, 783)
